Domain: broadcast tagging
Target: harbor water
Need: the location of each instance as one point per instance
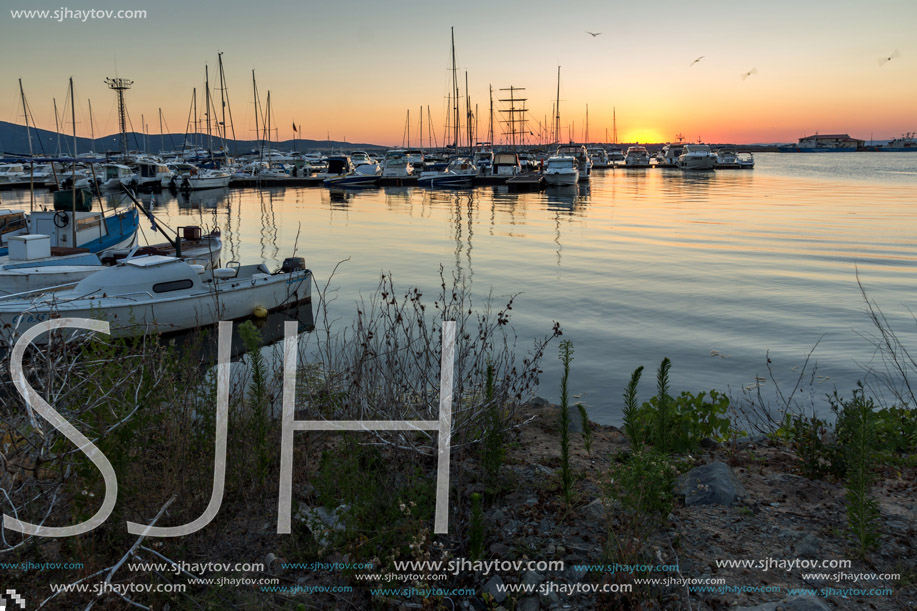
(718, 271)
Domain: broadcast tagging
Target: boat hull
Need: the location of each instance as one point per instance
(130, 316)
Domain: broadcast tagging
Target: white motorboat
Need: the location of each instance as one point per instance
(615, 154)
(31, 266)
(157, 294)
(561, 170)
(582, 158)
(668, 158)
(397, 164)
(599, 158)
(150, 174)
(637, 157)
(459, 173)
(746, 160)
(12, 172)
(112, 175)
(506, 164)
(206, 179)
(696, 157)
(483, 158)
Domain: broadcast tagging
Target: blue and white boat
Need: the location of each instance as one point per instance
(93, 230)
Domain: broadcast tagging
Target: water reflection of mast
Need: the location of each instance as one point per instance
(268, 226)
(458, 221)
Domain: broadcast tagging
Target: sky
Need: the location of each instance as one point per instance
(354, 69)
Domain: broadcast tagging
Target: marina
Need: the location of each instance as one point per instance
(716, 270)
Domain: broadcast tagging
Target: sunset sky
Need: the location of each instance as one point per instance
(352, 69)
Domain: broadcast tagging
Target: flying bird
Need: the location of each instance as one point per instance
(749, 73)
(593, 34)
(696, 60)
(885, 60)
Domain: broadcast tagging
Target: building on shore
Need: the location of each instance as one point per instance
(832, 142)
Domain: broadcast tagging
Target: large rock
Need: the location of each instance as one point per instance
(494, 587)
(711, 484)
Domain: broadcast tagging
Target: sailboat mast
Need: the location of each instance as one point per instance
(28, 131)
(257, 133)
(490, 127)
(73, 165)
(468, 115)
(420, 120)
(587, 125)
(455, 91)
(557, 110)
(162, 140)
(224, 99)
(207, 102)
(92, 130)
(56, 125)
(614, 126)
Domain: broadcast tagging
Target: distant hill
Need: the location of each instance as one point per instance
(14, 141)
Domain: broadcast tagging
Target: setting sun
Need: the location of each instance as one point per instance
(642, 134)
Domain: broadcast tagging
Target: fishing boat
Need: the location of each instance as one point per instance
(158, 294)
(31, 266)
(560, 170)
(459, 173)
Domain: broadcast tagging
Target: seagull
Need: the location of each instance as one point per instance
(593, 34)
(749, 73)
(696, 60)
(885, 60)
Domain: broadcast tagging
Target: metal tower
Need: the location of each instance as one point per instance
(121, 85)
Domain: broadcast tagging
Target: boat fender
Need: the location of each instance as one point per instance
(260, 312)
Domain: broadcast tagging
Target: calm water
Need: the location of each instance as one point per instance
(713, 270)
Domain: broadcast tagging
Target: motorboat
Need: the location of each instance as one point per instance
(726, 159)
(459, 173)
(206, 179)
(363, 175)
(416, 158)
(599, 158)
(12, 172)
(696, 157)
(159, 294)
(637, 157)
(112, 176)
(150, 174)
(615, 154)
(397, 164)
(561, 170)
(668, 157)
(483, 157)
(582, 158)
(506, 164)
(31, 266)
(746, 160)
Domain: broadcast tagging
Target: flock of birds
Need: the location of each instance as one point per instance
(745, 75)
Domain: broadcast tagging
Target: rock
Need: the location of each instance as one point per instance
(708, 444)
(802, 603)
(764, 607)
(595, 511)
(575, 423)
(499, 550)
(808, 547)
(494, 587)
(532, 578)
(575, 575)
(617, 437)
(529, 603)
(710, 484)
(538, 402)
